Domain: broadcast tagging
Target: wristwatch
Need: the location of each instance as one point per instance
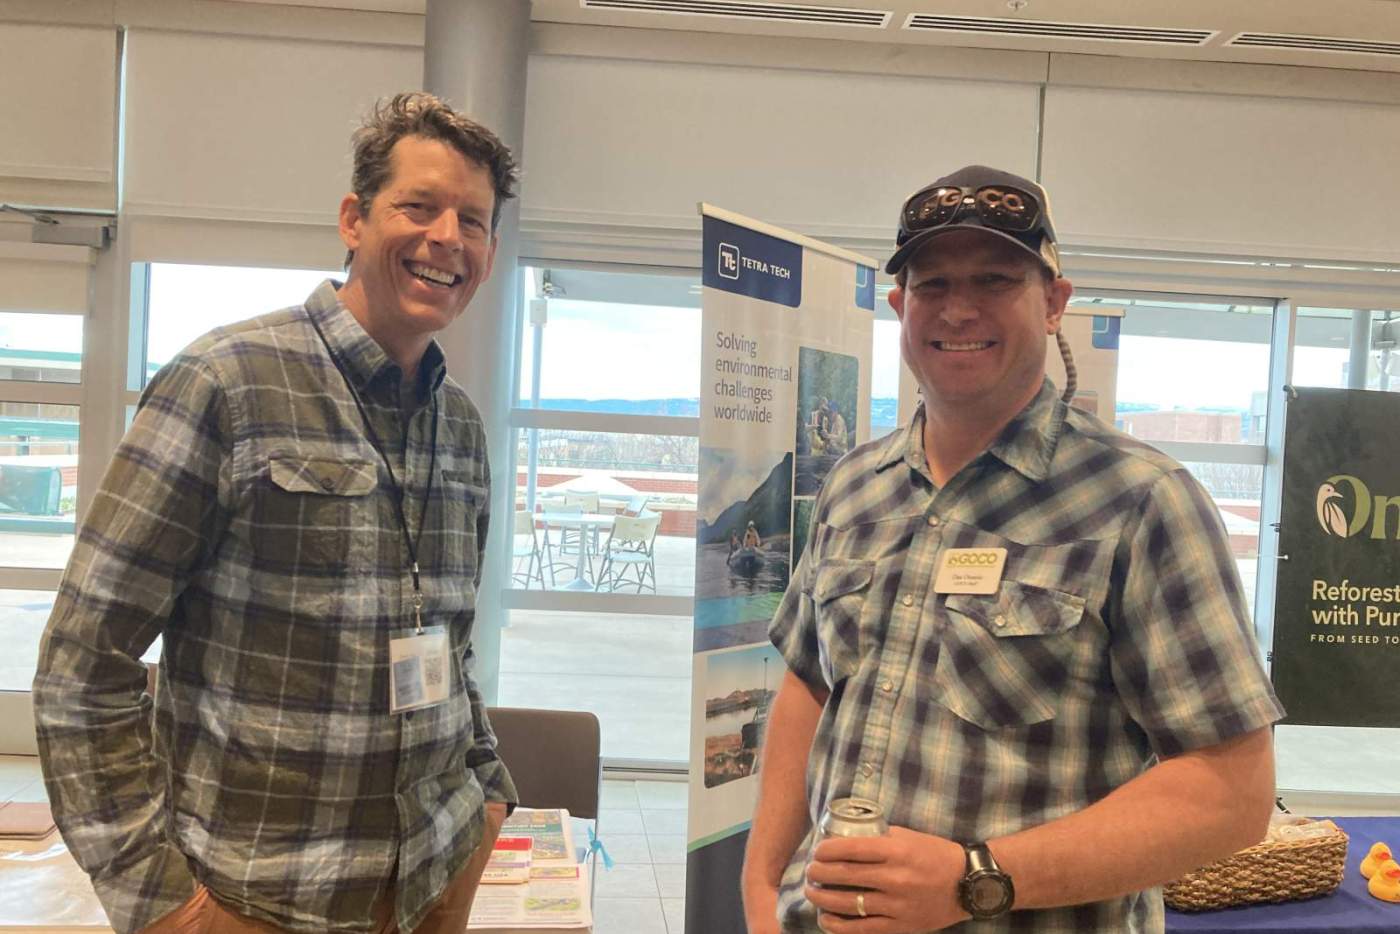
(985, 892)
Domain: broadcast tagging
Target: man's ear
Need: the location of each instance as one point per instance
(491, 257)
(896, 300)
(1057, 294)
(350, 218)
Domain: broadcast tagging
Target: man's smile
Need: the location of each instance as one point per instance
(439, 278)
(962, 346)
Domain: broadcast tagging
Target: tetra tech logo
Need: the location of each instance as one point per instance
(728, 261)
(1331, 506)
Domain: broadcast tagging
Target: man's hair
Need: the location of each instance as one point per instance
(418, 113)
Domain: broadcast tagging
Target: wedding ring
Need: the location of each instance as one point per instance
(860, 904)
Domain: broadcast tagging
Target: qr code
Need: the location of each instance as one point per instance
(432, 671)
(408, 687)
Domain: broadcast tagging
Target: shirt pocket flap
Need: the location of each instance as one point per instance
(836, 580)
(324, 475)
(1020, 610)
(1004, 658)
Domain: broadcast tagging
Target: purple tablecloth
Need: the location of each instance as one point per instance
(1350, 909)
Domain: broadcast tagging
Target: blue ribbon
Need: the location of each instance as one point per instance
(596, 846)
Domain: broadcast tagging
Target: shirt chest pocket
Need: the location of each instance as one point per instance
(839, 592)
(462, 503)
(308, 512)
(1004, 658)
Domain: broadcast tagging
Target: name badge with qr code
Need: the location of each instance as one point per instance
(418, 669)
(970, 570)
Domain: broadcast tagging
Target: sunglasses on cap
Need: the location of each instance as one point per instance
(1000, 207)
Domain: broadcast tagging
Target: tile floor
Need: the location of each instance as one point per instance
(642, 824)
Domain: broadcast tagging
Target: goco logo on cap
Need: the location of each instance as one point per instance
(974, 559)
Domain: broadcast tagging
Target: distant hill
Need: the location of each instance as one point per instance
(769, 506)
(679, 407)
(884, 409)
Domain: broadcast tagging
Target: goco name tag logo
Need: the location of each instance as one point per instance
(973, 559)
(1342, 494)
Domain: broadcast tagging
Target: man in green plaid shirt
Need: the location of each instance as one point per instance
(299, 511)
(1017, 630)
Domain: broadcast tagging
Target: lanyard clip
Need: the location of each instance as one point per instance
(418, 611)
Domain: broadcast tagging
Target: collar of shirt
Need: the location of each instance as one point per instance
(1026, 444)
(364, 360)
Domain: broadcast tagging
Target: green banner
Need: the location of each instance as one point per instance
(1337, 605)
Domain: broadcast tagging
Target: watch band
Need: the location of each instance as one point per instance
(985, 891)
(979, 858)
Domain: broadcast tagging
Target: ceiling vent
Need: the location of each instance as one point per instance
(1040, 29)
(1274, 40)
(769, 12)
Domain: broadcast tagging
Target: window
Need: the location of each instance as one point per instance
(1193, 377)
(185, 302)
(1332, 340)
(607, 431)
(885, 366)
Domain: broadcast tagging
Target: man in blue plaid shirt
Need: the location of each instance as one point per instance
(299, 510)
(1018, 630)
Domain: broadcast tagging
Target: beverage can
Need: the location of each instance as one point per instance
(853, 817)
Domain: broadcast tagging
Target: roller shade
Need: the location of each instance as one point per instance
(58, 145)
(1223, 174)
(633, 146)
(238, 147)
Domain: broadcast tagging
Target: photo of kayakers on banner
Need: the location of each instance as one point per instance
(739, 687)
(827, 395)
(743, 530)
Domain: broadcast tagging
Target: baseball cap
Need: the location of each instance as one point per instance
(1005, 205)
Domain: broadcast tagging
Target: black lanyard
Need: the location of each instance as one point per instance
(402, 492)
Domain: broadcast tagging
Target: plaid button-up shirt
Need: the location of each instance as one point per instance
(1118, 634)
(247, 520)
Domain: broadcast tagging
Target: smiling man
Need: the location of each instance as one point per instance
(299, 511)
(1017, 630)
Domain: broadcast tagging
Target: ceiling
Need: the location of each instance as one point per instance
(1347, 34)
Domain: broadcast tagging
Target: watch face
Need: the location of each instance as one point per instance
(988, 893)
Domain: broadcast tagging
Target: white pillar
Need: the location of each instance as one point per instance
(474, 57)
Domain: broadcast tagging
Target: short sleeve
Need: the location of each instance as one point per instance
(1183, 652)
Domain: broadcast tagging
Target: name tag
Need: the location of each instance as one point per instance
(970, 570)
(418, 669)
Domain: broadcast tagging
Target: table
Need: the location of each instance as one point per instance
(1350, 909)
(585, 523)
(42, 888)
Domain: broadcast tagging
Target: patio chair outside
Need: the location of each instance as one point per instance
(630, 547)
(569, 541)
(527, 546)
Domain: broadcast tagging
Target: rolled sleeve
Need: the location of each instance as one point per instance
(1184, 655)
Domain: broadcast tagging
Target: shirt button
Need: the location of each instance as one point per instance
(908, 600)
(327, 483)
(867, 769)
(1000, 620)
(887, 686)
(933, 521)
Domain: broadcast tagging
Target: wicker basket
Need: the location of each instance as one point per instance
(1267, 872)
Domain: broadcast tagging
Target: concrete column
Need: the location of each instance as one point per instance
(474, 57)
